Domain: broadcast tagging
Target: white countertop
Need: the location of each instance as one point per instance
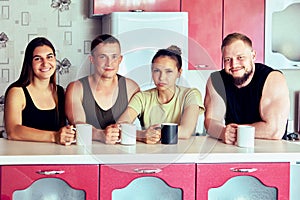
(199, 149)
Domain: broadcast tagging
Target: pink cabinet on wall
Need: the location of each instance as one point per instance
(205, 33)
(257, 180)
(100, 7)
(32, 182)
(246, 17)
(211, 21)
(147, 181)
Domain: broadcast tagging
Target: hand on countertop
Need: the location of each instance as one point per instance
(153, 134)
(66, 135)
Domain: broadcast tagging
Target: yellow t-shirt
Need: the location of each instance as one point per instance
(151, 111)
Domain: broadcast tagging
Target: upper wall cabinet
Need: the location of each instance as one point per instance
(246, 17)
(205, 33)
(100, 7)
(282, 44)
(210, 21)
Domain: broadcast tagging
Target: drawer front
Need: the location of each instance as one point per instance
(270, 174)
(81, 177)
(174, 175)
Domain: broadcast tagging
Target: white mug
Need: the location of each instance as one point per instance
(245, 136)
(128, 134)
(84, 134)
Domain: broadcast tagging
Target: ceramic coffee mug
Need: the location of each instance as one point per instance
(245, 136)
(83, 134)
(169, 133)
(128, 134)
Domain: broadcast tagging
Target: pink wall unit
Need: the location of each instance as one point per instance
(24, 181)
(100, 7)
(247, 17)
(205, 33)
(210, 176)
(171, 176)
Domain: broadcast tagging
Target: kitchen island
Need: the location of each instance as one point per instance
(198, 149)
(202, 162)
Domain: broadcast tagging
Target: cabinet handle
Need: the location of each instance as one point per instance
(147, 171)
(247, 170)
(52, 172)
(201, 66)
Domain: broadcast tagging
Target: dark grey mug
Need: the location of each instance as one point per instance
(169, 133)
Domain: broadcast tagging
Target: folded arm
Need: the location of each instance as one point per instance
(274, 111)
(14, 104)
(215, 110)
(274, 108)
(188, 122)
(74, 110)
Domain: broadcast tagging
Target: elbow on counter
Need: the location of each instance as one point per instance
(278, 136)
(276, 133)
(184, 134)
(275, 136)
(12, 136)
(185, 137)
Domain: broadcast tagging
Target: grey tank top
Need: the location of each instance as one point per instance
(95, 115)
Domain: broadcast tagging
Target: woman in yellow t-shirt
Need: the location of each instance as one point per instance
(167, 102)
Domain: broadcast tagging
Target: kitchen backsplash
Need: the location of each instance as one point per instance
(64, 23)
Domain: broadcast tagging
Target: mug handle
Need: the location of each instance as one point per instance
(74, 141)
(119, 127)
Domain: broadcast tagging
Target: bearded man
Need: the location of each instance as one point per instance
(245, 92)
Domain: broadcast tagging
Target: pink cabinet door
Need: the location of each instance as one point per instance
(79, 177)
(180, 176)
(100, 7)
(205, 33)
(270, 174)
(246, 17)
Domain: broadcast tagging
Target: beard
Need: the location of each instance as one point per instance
(241, 80)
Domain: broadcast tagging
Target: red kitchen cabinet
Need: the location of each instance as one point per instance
(50, 182)
(147, 181)
(205, 33)
(100, 7)
(267, 177)
(246, 17)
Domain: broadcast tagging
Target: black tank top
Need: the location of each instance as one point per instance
(95, 115)
(242, 104)
(50, 120)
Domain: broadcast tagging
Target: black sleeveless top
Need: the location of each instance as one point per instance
(242, 104)
(50, 120)
(95, 115)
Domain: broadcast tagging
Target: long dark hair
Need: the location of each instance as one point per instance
(27, 74)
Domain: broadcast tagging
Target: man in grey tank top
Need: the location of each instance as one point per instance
(100, 98)
(245, 92)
